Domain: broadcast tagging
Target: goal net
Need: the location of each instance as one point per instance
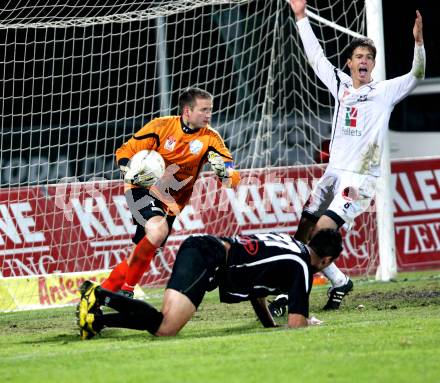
(79, 79)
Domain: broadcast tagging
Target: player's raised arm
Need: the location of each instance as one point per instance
(299, 8)
(323, 68)
(418, 29)
(398, 88)
(419, 62)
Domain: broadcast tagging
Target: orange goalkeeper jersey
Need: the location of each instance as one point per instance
(181, 146)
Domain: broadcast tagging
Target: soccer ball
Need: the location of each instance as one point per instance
(145, 168)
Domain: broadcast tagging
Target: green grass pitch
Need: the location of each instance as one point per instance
(394, 338)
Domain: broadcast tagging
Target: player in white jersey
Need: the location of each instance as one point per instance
(362, 111)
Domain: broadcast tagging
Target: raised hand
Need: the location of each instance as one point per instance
(299, 8)
(417, 29)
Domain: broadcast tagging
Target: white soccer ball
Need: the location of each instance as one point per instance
(145, 168)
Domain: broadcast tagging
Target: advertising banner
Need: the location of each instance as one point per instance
(85, 227)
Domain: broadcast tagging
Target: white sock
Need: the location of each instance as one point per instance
(336, 276)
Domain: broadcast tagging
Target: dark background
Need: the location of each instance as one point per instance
(421, 112)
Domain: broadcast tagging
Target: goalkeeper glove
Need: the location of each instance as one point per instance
(123, 169)
(139, 177)
(145, 179)
(217, 164)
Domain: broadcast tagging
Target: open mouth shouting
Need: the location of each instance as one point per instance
(363, 72)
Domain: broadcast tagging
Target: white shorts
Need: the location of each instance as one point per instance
(343, 193)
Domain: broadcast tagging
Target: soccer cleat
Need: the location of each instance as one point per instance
(86, 309)
(278, 307)
(85, 324)
(87, 290)
(336, 295)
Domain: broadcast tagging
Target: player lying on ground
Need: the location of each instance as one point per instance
(242, 267)
(362, 111)
(186, 142)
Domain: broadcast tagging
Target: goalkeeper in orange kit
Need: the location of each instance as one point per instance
(186, 143)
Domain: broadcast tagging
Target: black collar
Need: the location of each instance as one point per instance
(186, 129)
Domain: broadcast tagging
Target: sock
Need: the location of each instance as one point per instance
(133, 313)
(336, 276)
(137, 320)
(117, 277)
(138, 263)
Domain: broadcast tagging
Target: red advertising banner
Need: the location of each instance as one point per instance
(82, 227)
(416, 187)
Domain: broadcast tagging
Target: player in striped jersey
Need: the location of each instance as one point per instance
(244, 268)
(186, 143)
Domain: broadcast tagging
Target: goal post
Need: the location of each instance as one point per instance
(77, 81)
(387, 268)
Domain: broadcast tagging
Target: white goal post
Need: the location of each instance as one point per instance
(385, 224)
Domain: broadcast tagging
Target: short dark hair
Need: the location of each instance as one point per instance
(327, 243)
(361, 42)
(189, 95)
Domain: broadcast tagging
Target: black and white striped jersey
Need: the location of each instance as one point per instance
(267, 264)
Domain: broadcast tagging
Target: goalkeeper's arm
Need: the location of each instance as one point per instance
(224, 170)
(135, 144)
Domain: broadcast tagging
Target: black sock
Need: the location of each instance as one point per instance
(134, 320)
(118, 302)
(133, 313)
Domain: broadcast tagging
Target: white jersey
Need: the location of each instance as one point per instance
(361, 115)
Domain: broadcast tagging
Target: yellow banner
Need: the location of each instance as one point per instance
(44, 291)
(55, 290)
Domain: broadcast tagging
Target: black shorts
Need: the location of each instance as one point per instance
(198, 264)
(143, 207)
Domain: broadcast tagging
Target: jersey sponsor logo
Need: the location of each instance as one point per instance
(351, 116)
(170, 143)
(249, 244)
(351, 128)
(195, 146)
(362, 98)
